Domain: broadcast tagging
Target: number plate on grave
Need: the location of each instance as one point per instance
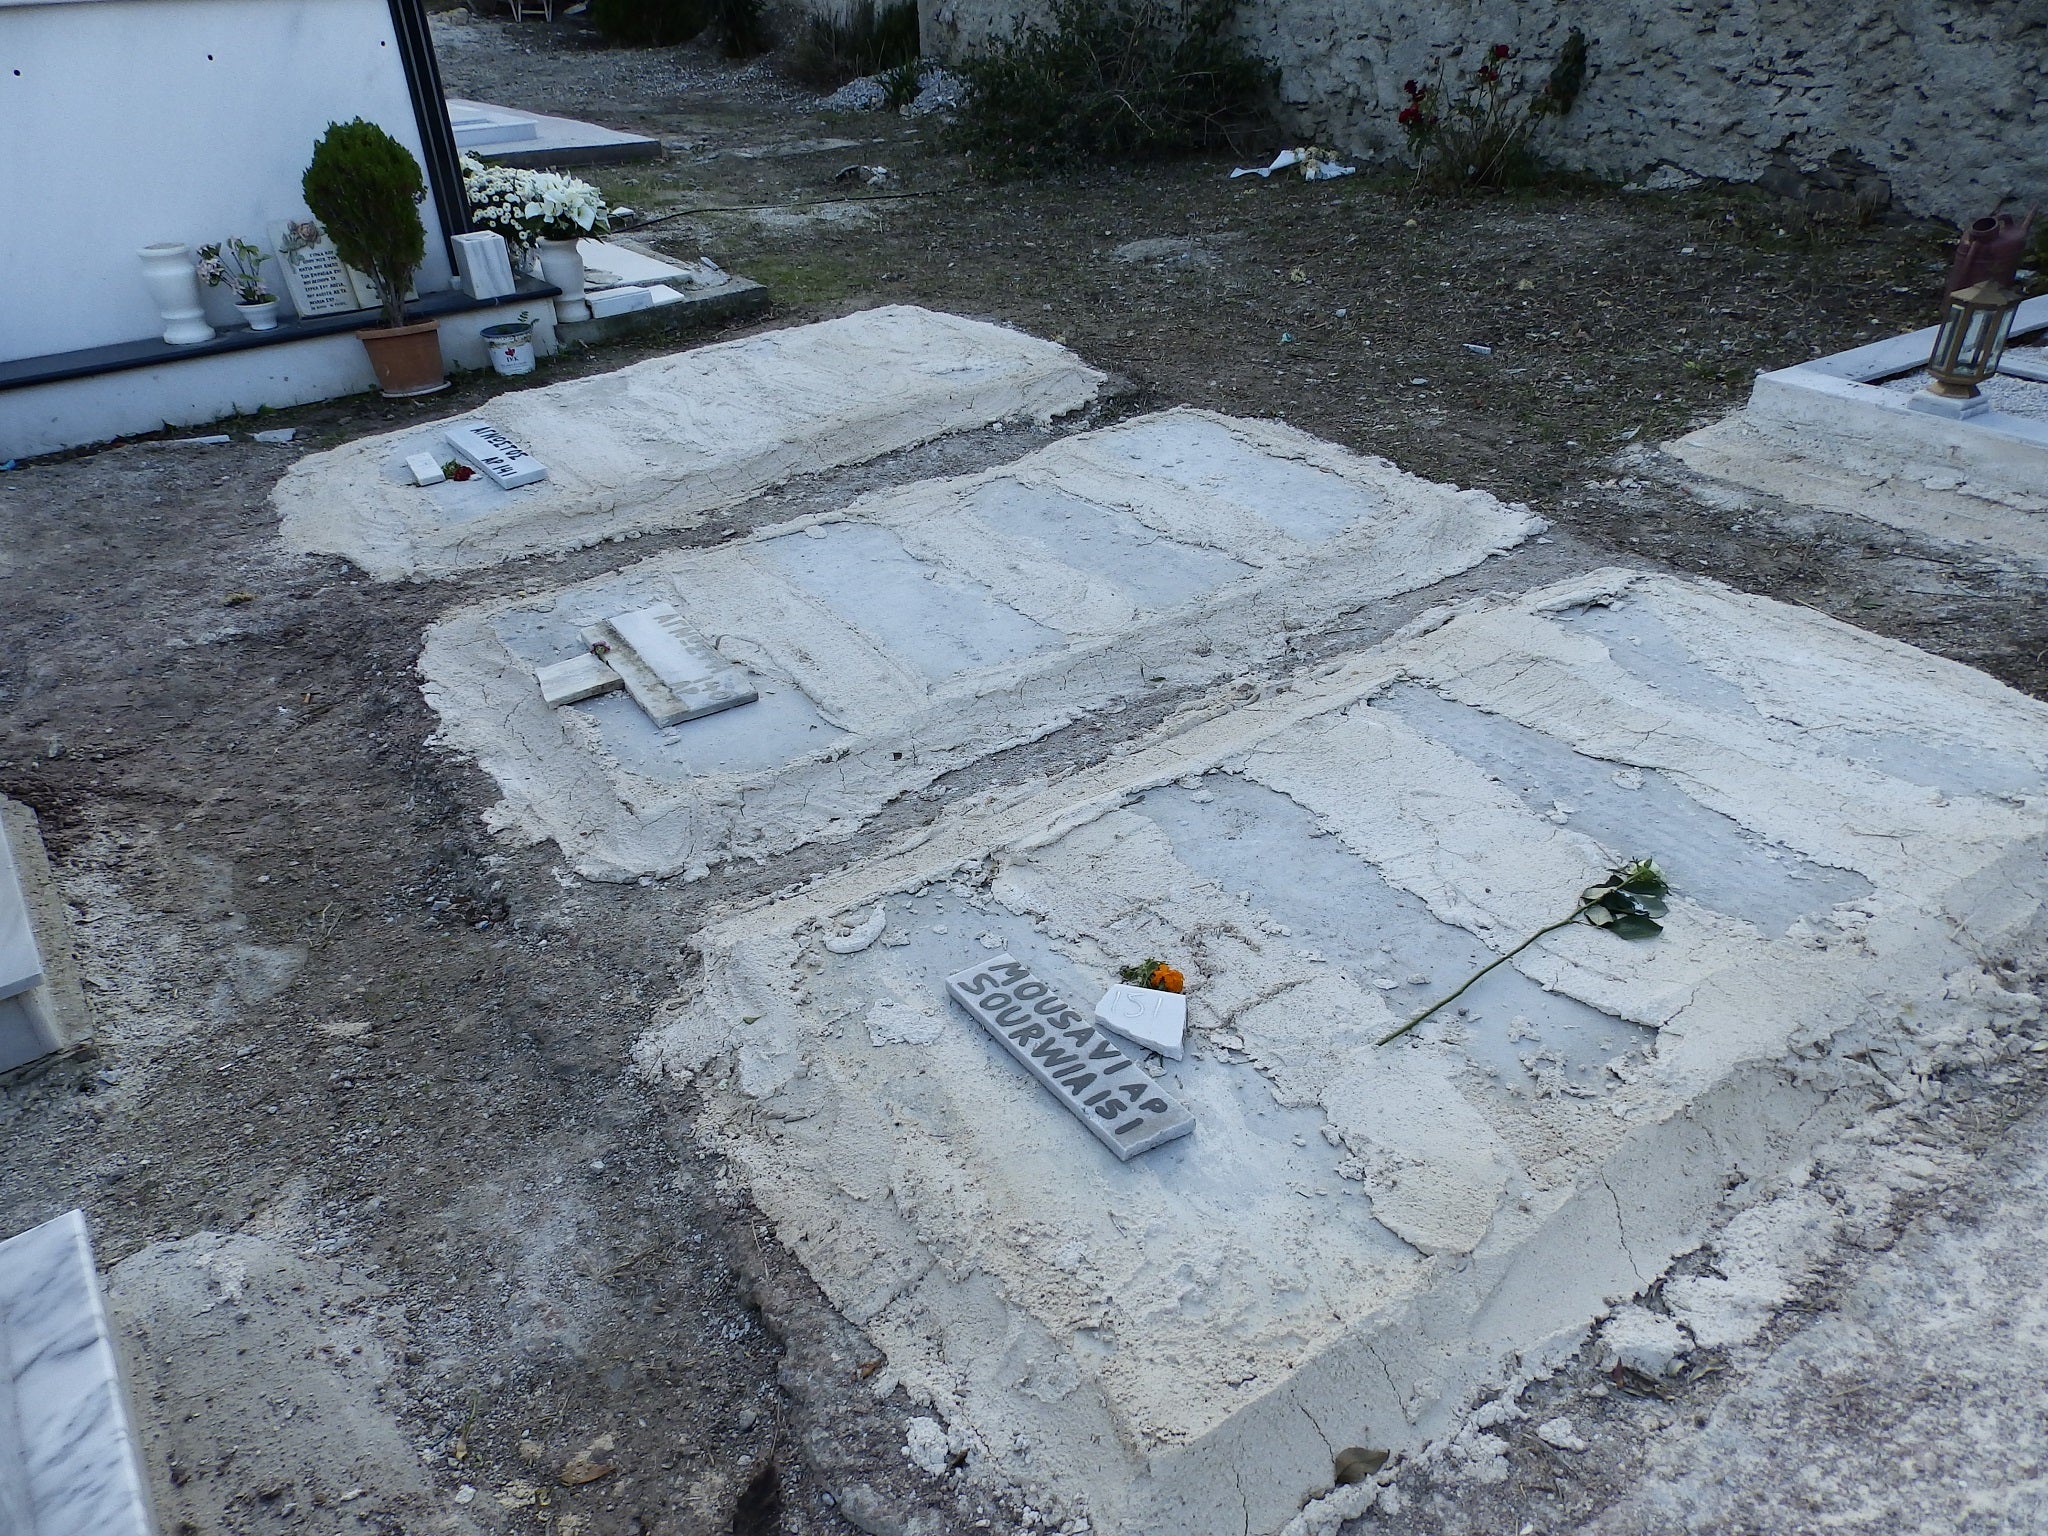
(491, 451)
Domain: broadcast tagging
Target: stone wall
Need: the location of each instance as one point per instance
(1944, 99)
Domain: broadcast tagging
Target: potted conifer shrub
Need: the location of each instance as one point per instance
(366, 189)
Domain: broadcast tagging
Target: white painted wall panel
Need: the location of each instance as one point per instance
(128, 121)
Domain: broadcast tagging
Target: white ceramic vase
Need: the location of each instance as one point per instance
(261, 317)
(562, 264)
(173, 286)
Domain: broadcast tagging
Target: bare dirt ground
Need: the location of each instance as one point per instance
(386, 1060)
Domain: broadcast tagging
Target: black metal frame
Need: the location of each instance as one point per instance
(430, 112)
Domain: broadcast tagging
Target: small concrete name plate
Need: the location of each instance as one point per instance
(1156, 1020)
(1082, 1067)
(578, 678)
(483, 445)
(424, 470)
(672, 672)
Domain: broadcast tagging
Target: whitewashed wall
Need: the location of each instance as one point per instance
(1947, 99)
(124, 122)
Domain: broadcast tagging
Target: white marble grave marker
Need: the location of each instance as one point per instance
(485, 264)
(69, 1463)
(425, 471)
(673, 673)
(1085, 1069)
(483, 445)
(578, 678)
(1145, 1016)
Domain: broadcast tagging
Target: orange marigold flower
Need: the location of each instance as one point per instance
(1166, 979)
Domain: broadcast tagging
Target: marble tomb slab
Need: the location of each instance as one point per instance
(666, 442)
(1355, 1240)
(926, 626)
(1840, 433)
(575, 679)
(69, 1461)
(482, 446)
(1153, 1020)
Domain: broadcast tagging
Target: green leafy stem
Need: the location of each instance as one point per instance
(1627, 903)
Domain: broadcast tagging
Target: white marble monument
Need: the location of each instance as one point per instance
(69, 1462)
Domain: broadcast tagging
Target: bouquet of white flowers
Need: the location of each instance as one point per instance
(497, 201)
(561, 207)
(529, 206)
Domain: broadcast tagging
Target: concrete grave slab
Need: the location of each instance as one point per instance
(1355, 1239)
(1840, 433)
(68, 1458)
(662, 443)
(932, 624)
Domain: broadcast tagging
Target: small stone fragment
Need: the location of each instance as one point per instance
(579, 678)
(1558, 1433)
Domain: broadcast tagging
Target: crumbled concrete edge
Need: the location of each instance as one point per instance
(62, 994)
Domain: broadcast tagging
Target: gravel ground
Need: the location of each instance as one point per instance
(338, 1021)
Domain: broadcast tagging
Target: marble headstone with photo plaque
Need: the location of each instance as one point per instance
(1081, 1066)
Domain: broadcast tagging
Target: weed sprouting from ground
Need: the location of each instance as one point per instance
(1110, 80)
(1472, 128)
(862, 39)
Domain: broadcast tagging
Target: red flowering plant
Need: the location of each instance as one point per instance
(1471, 127)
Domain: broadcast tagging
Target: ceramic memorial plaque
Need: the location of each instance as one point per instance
(484, 446)
(314, 276)
(1156, 1020)
(673, 673)
(1085, 1069)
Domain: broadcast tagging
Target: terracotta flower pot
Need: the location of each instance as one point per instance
(407, 358)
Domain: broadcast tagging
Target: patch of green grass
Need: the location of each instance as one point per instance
(806, 280)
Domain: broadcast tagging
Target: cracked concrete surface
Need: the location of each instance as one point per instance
(1355, 1240)
(927, 627)
(664, 443)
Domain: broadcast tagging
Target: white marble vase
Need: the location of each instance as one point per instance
(173, 286)
(562, 264)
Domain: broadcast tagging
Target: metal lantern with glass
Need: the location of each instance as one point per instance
(1967, 346)
(1976, 317)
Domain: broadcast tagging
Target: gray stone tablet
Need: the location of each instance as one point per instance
(484, 446)
(1082, 1067)
(672, 672)
(578, 678)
